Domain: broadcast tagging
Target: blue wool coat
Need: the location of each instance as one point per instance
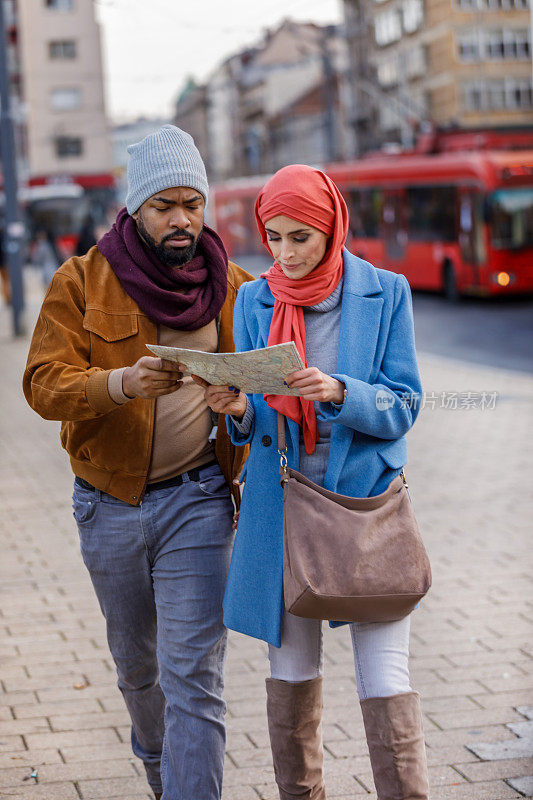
(377, 363)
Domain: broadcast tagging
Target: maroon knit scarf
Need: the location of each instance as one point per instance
(185, 297)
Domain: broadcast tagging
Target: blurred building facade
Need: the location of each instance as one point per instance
(460, 63)
(56, 74)
(280, 101)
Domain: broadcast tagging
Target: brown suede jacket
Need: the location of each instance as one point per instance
(87, 327)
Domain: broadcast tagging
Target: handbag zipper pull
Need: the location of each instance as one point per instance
(283, 465)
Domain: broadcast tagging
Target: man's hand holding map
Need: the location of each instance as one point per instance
(260, 371)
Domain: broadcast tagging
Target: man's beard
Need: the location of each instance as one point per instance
(168, 255)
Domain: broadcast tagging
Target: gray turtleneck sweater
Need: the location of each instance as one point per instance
(322, 324)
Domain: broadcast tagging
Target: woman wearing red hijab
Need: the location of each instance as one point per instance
(353, 327)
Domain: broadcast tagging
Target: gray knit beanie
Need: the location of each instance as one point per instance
(162, 160)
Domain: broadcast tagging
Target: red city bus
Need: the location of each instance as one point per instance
(458, 222)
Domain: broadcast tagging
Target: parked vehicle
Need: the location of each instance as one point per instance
(460, 222)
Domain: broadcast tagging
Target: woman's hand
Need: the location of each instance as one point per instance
(223, 399)
(315, 385)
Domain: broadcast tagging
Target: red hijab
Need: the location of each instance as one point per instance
(306, 195)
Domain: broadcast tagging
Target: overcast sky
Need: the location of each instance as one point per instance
(151, 46)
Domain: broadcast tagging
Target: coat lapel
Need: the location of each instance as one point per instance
(264, 313)
(361, 309)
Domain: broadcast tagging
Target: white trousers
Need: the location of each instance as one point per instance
(380, 649)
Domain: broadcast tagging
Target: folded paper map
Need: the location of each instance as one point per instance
(260, 371)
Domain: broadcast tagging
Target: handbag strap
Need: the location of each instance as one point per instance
(282, 448)
(282, 438)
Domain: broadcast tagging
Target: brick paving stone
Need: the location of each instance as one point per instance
(509, 699)
(73, 738)
(100, 719)
(491, 733)
(471, 648)
(474, 718)
(75, 706)
(240, 793)
(450, 754)
(508, 749)
(523, 785)
(522, 728)
(493, 790)
(508, 684)
(29, 758)
(97, 752)
(491, 770)
(251, 757)
(51, 791)
(86, 770)
(111, 787)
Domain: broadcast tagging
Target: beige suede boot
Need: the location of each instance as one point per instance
(395, 739)
(294, 713)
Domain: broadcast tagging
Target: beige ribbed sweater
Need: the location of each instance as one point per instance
(182, 419)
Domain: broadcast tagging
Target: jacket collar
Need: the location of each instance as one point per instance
(360, 278)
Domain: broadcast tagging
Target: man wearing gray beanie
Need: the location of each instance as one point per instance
(153, 495)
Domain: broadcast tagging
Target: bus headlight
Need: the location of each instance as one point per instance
(503, 278)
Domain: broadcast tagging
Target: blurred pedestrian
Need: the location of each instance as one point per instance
(353, 327)
(153, 486)
(87, 237)
(45, 255)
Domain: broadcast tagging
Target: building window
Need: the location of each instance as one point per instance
(60, 5)
(468, 45)
(473, 95)
(67, 146)
(62, 49)
(493, 5)
(522, 43)
(416, 62)
(389, 119)
(413, 15)
(511, 94)
(387, 72)
(507, 43)
(518, 93)
(387, 28)
(495, 45)
(68, 99)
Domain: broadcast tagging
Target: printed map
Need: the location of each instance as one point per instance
(254, 372)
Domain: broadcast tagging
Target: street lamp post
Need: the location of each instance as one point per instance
(14, 228)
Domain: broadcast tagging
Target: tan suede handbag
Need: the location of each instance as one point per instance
(349, 559)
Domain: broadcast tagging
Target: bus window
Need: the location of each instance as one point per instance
(471, 236)
(432, 213)
(512, 218)
(365, 207)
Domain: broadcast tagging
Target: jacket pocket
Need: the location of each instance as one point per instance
(110, 327)
(394, 454)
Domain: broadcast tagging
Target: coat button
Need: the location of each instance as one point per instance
(266, 441)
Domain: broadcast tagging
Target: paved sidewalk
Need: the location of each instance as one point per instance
(63, 729)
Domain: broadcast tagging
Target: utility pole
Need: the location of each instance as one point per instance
(358, 35)
(330, 96)
(14, 228)
(406, 129)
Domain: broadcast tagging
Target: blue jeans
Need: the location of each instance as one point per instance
(159, 572)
